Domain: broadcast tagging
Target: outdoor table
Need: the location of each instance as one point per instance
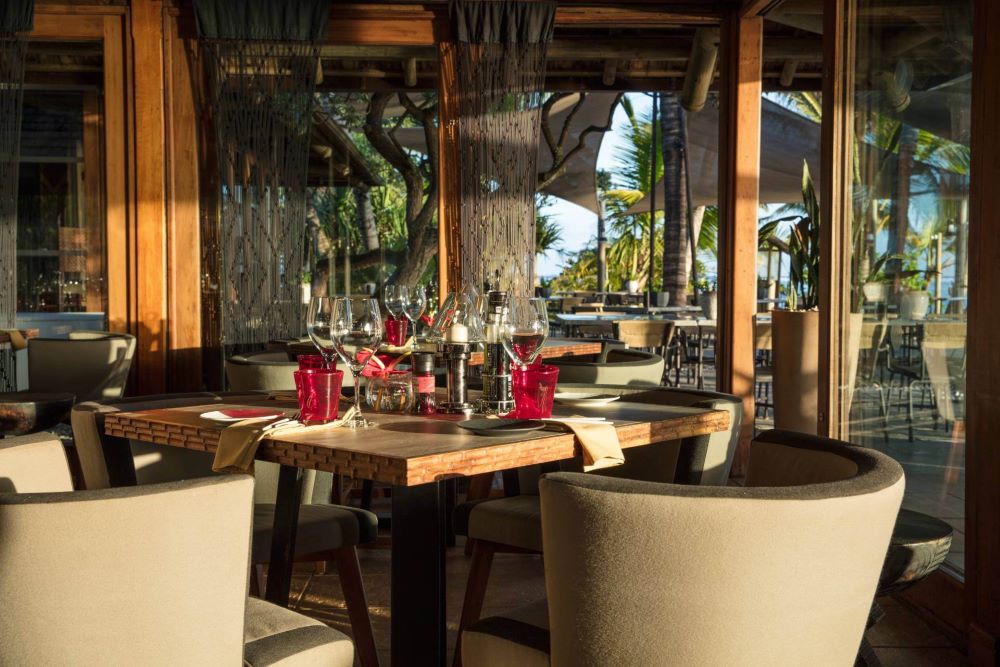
(415, 454)
(554, 347)
(23, 412)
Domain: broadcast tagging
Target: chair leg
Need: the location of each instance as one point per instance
(349, 573)
(257, 580)
(367, 491)
(475, 591)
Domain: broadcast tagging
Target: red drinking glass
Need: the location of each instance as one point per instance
(307, 361)
(534, 389)
(319, 393)
(395, 331)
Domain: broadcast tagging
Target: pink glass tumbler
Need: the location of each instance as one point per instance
(395, 331)
(534, 389)
(319, 394)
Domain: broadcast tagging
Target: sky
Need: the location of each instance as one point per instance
(578, 224)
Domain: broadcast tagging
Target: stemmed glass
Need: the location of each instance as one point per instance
(395, 298)
(356, 329)
(416, 301)
(524, 328)
(318, 327)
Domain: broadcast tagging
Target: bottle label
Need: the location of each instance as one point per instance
(425, 384)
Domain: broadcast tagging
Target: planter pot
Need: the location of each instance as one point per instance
(914, 305)
(875, 292)
(663, 299)
(632, 286)
(795, 351)
(709, 304)
(855, 323)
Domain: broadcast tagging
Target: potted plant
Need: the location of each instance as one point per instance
(915, 300)
(795, 329)
(708, 298)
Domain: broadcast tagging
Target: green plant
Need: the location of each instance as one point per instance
(705, 285)
(802, 246)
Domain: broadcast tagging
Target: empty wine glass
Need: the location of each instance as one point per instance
(318, 327)
(395, 298)
(416, 301)
(524, 328)
(356, 328)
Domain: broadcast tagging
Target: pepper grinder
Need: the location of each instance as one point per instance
(498, 395)
(456, 356)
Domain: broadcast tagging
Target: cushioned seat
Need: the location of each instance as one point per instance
(515, 521)
(321, 528)
(275, 636)
(787, 566)
(519, 638)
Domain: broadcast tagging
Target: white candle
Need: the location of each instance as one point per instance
(458, 333)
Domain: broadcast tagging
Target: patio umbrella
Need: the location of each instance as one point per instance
(578, 184)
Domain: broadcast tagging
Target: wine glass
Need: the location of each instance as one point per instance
(318, 327)
(524, 328)
(356, 328)
(414, 307)
(395, 298)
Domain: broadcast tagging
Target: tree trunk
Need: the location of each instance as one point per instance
(676, 248)
(899, 219)
(366, 219)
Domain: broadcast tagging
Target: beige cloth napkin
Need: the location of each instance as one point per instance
(238, 443)
(598, 442)
(17, 340)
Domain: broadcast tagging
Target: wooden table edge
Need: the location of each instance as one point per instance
(432, 467)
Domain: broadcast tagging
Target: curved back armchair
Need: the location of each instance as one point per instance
(158, 574)
(260, 371)
(776, 574)
(614, 366)
(93, 366)
(33, 464)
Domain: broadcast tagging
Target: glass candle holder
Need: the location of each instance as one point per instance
(391, 391)
(396, 330)
(307, 361)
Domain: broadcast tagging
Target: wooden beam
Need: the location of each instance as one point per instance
(739, 176)
(410, 72)
(449, 204)
(982, 493)
(150, 196)
(753, 8)
(836, 151)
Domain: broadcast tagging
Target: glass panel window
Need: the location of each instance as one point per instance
(902, 338)
(60, 233)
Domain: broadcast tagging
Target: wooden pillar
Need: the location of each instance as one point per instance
(183, 213)
(449, 202)
(739, 172)
(982, 496)
(836, 154)
(149, 146)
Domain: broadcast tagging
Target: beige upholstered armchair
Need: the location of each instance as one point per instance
(780, 572)
(147, 575)
(91, 365)
(614, 366)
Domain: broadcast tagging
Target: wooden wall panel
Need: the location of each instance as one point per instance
(739, 176)
(982, 523)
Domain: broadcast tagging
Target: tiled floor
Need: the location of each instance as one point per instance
(901, 639)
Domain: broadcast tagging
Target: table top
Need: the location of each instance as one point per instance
(555, 347)
(596, 318)
(409, 449)
(27, 333)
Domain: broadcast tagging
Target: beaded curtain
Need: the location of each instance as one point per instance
(500, 67)
(262, 107)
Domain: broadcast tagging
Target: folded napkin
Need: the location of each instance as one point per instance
(17, 340)
(238, 443)
(598, 442)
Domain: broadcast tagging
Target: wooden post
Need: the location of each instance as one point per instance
(739, 176)
(149, 154)
(835, 210)
(449, 203)
(982, 493)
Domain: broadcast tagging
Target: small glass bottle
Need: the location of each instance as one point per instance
(423, 384)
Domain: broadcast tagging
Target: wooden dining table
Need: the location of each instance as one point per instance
(416, 455)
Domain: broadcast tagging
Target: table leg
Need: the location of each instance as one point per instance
(118, 461)
(418, 575)
(286, 522)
